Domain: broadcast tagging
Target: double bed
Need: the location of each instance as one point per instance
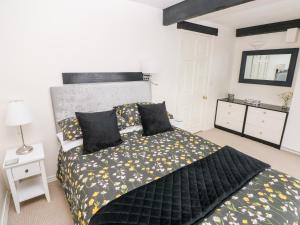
(93, 181)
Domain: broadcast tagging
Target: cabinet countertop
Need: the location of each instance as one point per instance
(262, 105)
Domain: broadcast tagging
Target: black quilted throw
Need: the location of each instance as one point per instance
(185, 196)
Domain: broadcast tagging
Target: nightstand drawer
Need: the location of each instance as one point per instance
(26, 170)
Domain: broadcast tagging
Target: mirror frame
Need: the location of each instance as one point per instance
(288, 83)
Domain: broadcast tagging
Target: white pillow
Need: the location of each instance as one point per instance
(131, 129)
(176, 123)
(68, 145)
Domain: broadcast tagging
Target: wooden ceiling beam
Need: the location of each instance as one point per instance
(197, 28)
(268, 28)
(192, 8)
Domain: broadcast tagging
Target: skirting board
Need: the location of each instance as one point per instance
(290, 150)
(51, 179)
(5, 208)
(6, 202)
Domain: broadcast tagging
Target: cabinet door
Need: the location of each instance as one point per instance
(230, 116)
(265, 124)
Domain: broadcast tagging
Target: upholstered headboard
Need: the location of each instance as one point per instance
(68, 99)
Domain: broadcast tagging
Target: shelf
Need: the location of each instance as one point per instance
(30, 188)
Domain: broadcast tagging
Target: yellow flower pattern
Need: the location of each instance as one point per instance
(92, 181)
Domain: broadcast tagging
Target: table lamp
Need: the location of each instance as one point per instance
(18, 114)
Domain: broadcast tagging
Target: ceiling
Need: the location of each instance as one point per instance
(250, 14)
(161, 4)
(255, 13)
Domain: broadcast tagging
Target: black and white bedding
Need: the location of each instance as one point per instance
(92, 181)
(185, 196)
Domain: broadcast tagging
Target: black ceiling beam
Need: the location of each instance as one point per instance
(268, 28)
(197, 28)
(192, 8)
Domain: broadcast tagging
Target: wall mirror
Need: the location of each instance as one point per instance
(269, 67)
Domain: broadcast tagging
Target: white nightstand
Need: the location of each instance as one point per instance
(27, 178)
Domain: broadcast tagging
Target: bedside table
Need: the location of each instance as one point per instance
(27, 178)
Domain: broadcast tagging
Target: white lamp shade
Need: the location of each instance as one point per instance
(150, 68)
(18, 114)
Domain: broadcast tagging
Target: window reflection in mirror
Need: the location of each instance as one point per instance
(267, 67)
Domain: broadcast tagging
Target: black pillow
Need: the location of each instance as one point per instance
(99, 130)
(154, 118)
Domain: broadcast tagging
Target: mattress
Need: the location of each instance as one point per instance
(92, 181)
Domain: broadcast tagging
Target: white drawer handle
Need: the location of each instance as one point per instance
(260, 132)
(229, 113)
(265, 112)
(262, 121)
(227, 122)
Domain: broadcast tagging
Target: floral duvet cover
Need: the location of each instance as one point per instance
(92, 181)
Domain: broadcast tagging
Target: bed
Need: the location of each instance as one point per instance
(93, 181)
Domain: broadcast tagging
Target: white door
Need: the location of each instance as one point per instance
(193, 80)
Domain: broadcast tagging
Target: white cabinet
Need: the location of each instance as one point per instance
(27, 176)
(230, 116)
(265, 124)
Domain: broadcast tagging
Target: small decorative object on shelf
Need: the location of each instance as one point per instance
(252, 102)
(230, 97)
(286, 97)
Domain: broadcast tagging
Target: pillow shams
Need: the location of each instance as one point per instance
(128, 114)
(70, 129)
(99, 130)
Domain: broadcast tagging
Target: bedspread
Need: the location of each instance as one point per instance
(91, 181)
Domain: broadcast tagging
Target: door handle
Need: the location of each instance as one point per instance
(204, 97)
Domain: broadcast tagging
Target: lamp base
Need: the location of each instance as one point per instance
(24, 150)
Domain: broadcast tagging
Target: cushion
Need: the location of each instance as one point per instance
(70, 129)
(128, 114)
(154, 119)
(99, 130)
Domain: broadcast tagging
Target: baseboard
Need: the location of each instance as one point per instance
(5, 208)
(51, 179)
(290, 150)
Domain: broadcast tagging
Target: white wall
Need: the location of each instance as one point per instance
(267, 94)
(291, 139)
(220, 71)
(41, 39)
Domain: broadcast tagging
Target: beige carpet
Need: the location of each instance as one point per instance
(39, 212)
